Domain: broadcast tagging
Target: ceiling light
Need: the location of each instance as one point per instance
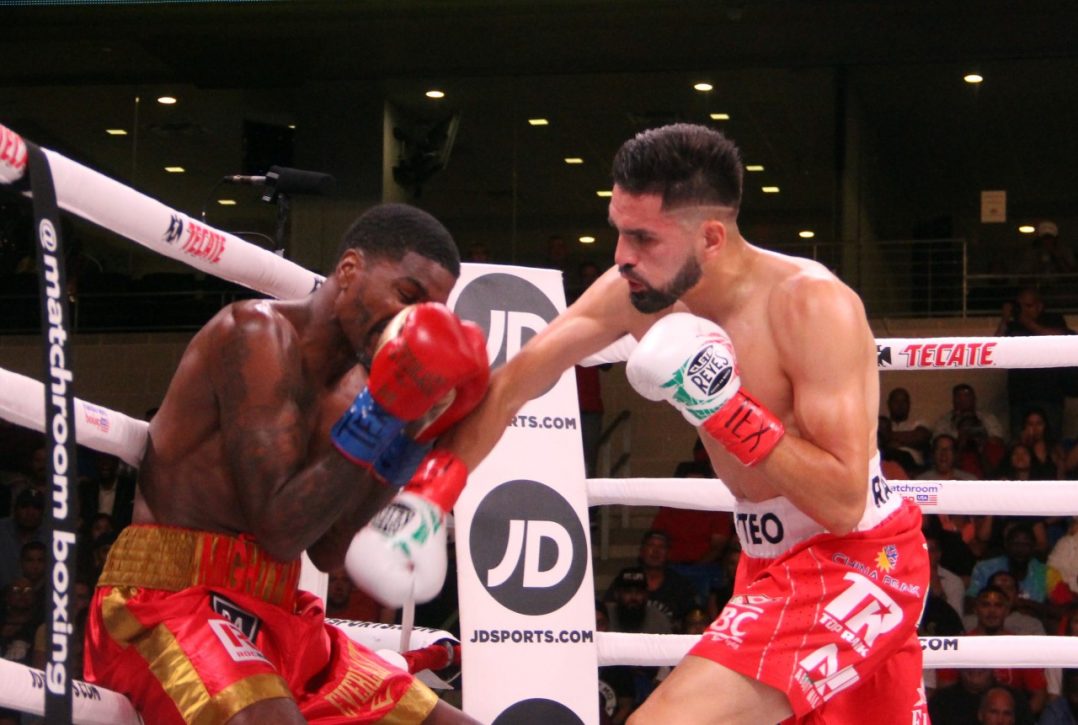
(292, 126)
(1027, 229)
(806, 234)
(574, 160)
(587, 240)
(720, 116)
(435, 93)
(175, 169)
(538, 122)
(166, 100)
(703, 87)
(116, 131)
(769, 189)
(604, 193)
(227, 202)
(973, 78)
(754, 167)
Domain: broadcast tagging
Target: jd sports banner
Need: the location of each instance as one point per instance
(526, 590)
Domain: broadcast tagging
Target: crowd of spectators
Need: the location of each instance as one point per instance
(995, 574)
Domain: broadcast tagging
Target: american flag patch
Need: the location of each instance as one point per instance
(926, 499)
(97, 417)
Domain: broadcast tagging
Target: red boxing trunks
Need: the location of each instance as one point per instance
(829, 620)
(195, 626)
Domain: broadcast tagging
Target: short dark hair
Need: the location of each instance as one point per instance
(687, 164)
(389, 231)
(992, 589)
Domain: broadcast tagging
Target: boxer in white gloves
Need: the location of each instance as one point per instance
(772, 358)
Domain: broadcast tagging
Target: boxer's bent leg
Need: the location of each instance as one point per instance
(702, 691)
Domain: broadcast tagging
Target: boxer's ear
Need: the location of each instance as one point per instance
(714, 236)
(349, 266)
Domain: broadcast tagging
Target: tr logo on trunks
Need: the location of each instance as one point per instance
(756, 529)
(878, 615)
(243, 620)
(532, 565)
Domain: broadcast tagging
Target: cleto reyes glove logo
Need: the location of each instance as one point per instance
(706, 373)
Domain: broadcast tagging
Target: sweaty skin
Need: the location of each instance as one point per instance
(804, 349)
(241, 441)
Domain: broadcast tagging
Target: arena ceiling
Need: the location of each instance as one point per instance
(797, 78)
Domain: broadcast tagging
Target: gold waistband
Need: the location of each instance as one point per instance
(171, 559)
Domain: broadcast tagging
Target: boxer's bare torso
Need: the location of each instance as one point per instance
(804, 351)
(241, 441)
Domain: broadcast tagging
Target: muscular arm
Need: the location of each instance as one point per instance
(828, 352)
(601, 316)
(287, 501)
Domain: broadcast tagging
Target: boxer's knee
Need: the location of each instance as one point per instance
(278, 710)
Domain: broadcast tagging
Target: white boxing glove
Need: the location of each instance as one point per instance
(689, 362)
(401, 552)
(404, 544)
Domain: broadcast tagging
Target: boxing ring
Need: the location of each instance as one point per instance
(149, 223)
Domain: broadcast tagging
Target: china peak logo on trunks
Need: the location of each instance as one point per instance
(510, 310)
(202, 242)
(939, 354)
(532, 565)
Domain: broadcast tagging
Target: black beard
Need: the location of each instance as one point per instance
(654, 300)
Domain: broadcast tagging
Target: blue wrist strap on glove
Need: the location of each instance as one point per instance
(365, 430)
(398, 462)
(370, 436)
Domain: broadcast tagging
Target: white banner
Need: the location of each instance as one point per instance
(527, 597)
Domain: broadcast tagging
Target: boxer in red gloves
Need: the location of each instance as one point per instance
(273, 440)
(772, 359)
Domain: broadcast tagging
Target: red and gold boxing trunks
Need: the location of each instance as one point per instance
(829, 620)
(195, 626)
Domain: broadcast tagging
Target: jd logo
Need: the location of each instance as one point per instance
(528, 547)
(538, 711)
(510, 310)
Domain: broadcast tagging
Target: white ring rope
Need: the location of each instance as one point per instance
(123, 210)
(1017, 498)
(171, 233)
(933, 353)
(1019, 651)
(23, 688)
(97, 427)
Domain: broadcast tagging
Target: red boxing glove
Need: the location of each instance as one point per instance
(424, 355)
(439, 479)
(465, 396)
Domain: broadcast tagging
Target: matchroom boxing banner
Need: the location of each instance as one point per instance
(526, 590)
